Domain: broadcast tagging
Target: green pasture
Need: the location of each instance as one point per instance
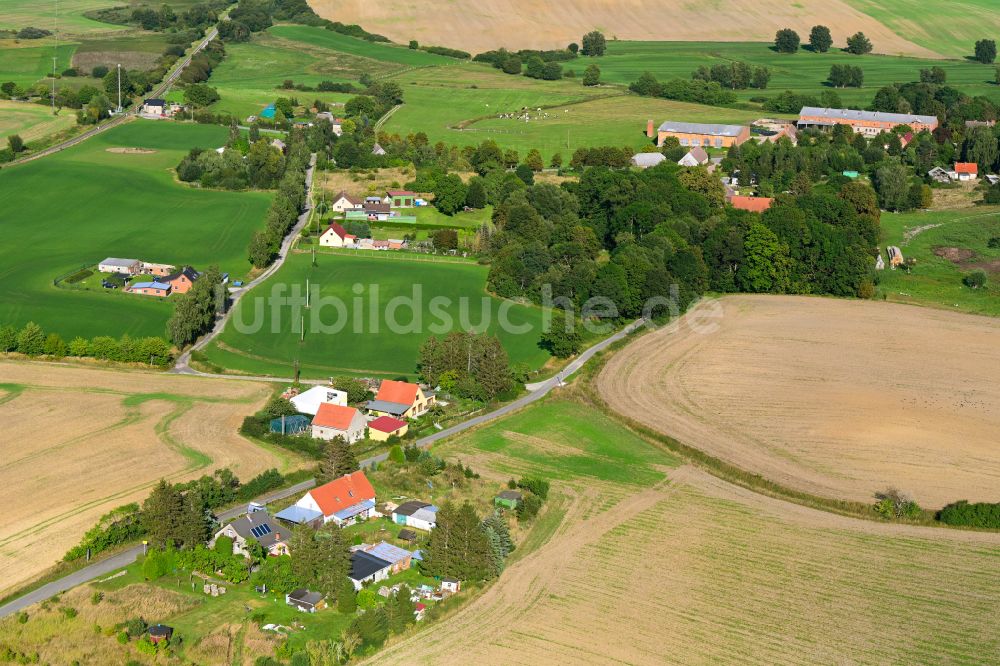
(86, 203)
(24, 65)
(263, 335)
(249, 77)
(803, 72)
(561, 439)
(67, 15)
(935, 280)
(949, 29)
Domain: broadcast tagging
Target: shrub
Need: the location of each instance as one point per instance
(976, 279)
(980, 514)
(97, 597)
(123, 637)
(396, 454)
(68, 612)
(893, 504)
(22, 618)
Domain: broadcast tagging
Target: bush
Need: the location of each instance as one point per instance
(396, 455)
(977, 279)
(97, 597)
(893, 504)
(22, 618)
(980, 514)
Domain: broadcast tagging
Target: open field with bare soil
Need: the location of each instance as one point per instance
(696, 570)
(78, 442)
(836, 398)
(489, 24)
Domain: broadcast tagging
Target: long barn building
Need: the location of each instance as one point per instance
(869, 123)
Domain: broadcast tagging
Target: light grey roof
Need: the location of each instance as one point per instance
(258, 526)
(389, 553)
(124, 263)
(701, 128)
(853, 114)
(647, 159)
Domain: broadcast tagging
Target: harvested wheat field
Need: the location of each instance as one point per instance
(489, 24)
(695, 570)
(837, 398)
(78, 442)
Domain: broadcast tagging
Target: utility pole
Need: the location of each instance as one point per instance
(119, 109)
(53, 85)
(55, 53)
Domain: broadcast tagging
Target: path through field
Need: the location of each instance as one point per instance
(78, 442)
(489, 24)
(838, 398)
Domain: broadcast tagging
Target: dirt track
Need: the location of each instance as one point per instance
(482, 25)
(838, 398)
(77, 442)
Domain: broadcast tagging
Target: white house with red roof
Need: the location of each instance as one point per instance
(336, 236)
(343, 501)
(332, 421)
(401, 400)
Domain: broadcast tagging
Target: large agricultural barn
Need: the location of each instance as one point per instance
(702, 134)
(869, 123)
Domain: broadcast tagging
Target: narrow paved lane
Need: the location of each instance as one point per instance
(182, 366)
(125, 558)
(158, 91)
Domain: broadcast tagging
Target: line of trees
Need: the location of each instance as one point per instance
(194, 312)
(288, 203)
(696, 90)
(32, 340)
(846, 76)
(736, 75)
(787, 40)
(174, 515)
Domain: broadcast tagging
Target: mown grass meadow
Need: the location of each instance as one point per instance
(86, 203)
(271, 340)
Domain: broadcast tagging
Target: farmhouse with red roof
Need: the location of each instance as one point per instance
(343, 501)
(332, 421)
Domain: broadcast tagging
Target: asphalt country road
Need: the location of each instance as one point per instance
(158, 91)
(537, 392)
(127, 557)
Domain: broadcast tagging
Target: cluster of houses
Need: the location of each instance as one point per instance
(386, 208)
(160, 280)
(345, 501)
(961, 172)
(384, 417)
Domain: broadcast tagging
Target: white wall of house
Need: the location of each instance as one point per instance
(354, 432)
(331, 239)
(377, 577)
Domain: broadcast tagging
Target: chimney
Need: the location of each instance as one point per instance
(649, 129)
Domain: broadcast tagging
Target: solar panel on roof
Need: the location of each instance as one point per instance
(261, 530)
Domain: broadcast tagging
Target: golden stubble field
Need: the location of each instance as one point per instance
(481, 25)
(77, 442)
(693, 570)
(837, 398)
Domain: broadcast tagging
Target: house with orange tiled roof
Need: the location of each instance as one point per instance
(752, 204)
(343, 501)
(966, 170)
(401, 400)
(332, 421)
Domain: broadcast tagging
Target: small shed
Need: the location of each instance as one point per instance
(160, 633)
(407, 535)
(450, 585)
(305, 600)
(508, 498)
(290, 425)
